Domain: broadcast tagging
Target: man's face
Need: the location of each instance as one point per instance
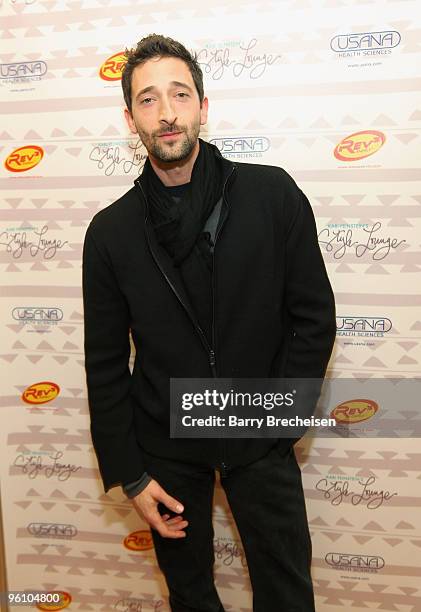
(166, 111)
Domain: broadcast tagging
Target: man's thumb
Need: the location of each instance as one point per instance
(171, 503)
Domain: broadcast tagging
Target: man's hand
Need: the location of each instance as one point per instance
(146, 504)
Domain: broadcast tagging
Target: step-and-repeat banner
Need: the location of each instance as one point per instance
(327, 89)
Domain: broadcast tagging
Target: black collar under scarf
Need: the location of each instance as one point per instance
(178, 225)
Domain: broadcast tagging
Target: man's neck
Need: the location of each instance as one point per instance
(175, 173)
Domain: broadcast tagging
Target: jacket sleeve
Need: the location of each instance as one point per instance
(134, 488)
(108, 377)
(309, 298)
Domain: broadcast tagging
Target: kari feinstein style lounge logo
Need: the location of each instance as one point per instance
(359, 145)
(135, 604)
(356, 490)
(112, 68)
(24, 158)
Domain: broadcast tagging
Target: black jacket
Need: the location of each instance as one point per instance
(274, 315)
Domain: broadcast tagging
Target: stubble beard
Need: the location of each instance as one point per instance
(170, 151)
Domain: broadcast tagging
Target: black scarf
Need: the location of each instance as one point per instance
(178, 225)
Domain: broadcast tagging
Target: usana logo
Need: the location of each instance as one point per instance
(363, 326)
(362, 563)
(242, 146)
(37, 314)
(52, 530)
(365, 43)
(23, 71)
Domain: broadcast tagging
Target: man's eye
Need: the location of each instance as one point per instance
(146, 101)
(182, 94)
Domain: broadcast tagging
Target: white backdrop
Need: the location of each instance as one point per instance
(288, 81)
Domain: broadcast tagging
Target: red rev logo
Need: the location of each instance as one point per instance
(24, 158)
(139, 540)
(40, 393)
(354, 411)
(58, 600)
(359, 145)
(112, 68)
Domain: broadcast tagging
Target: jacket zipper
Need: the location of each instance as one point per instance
(202, 336)
(222, 444)
(210, 350)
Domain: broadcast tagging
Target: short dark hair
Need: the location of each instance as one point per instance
(156, 45)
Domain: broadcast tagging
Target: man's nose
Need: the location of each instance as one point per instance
(167, 112)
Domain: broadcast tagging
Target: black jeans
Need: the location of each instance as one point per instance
(267, 502)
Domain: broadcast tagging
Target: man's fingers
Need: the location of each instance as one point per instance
(170, 502)
(172, 530)
(176, 520)
(167, 525)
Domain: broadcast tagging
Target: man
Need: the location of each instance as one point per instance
(216, 269)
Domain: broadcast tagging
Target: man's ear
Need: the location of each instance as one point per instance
(204, 111)
(129, 120)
